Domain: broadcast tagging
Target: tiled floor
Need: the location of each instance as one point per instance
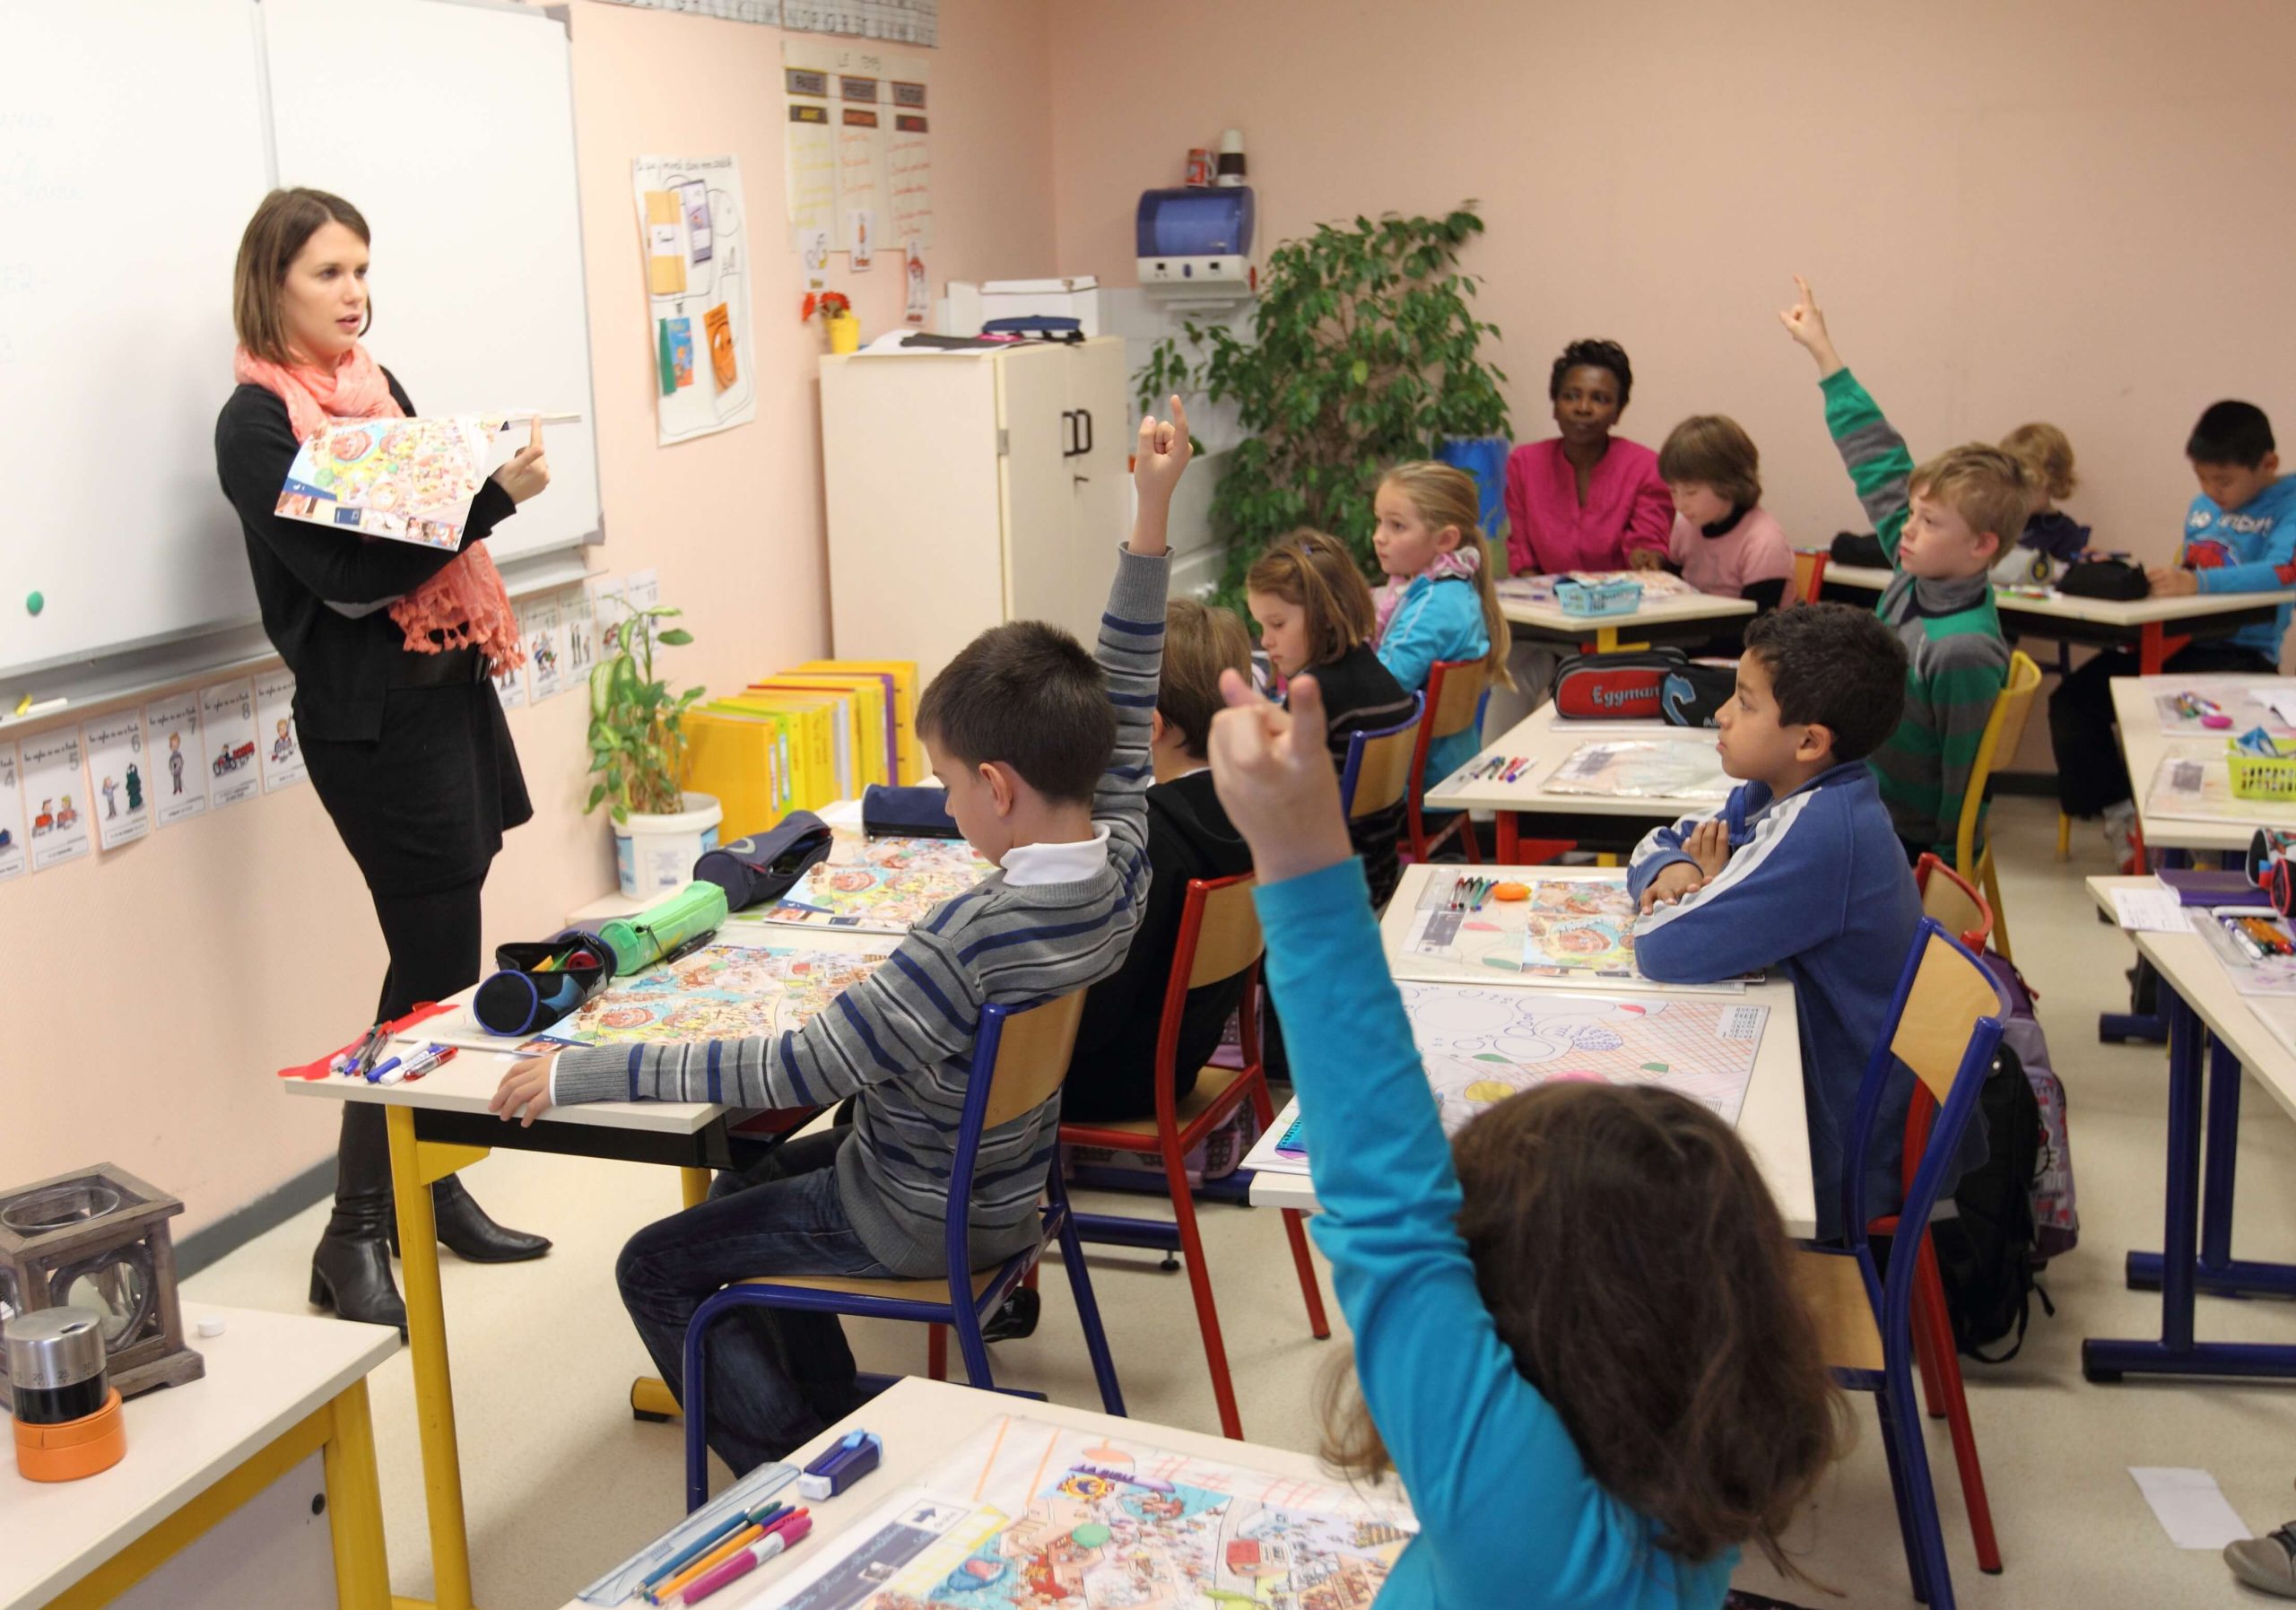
(561, 1481)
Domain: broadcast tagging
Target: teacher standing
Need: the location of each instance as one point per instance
(392, 644)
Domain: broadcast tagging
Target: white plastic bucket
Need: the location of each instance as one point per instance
(653, 854)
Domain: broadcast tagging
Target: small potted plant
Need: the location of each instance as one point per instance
(836, 310)
(638, 752)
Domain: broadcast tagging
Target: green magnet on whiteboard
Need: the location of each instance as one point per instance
(36, 603)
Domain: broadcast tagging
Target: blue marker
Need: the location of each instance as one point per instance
(376, 1073)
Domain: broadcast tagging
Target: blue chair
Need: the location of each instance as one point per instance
(1945, 1024)
(1380, 765)
(1018, 1062)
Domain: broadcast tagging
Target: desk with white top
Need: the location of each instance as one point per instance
(922, 1423)
(1774, 1122)
(2154, 627)
(1675, 618)
(1600, 822)
(2143, 745)
(279, 1388)
(2204, 1011)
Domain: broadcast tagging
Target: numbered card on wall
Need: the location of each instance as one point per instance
(226, 733)
(275, 730)
(544, 635)
(510, 686)
(120, 770)
(13, 859)
(580, 616)
(55, 799)
(178, 774)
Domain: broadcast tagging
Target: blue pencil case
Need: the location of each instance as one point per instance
(1594, 599)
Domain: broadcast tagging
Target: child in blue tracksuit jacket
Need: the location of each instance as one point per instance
(1800, 870)
(1440, 603)
(1577, 1335)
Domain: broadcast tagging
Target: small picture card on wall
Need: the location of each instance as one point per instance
(117, 765)
(13, 859)
(227, 732)
(56, 798)
(179, 776)
(275, 734)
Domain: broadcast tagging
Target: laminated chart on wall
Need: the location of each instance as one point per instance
(693, 225)
(860, 161)
(14, 855)
(179, 782)
(1576, 932)
(119, 775)
(1027, 1513)
(858, 145)
(1481, 1045)
(56, 798)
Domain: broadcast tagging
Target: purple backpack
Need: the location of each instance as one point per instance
(2056, 1222)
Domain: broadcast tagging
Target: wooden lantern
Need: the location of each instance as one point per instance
(97, 1238)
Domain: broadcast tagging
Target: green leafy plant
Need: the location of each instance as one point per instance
(637, 724)
(1364, 351)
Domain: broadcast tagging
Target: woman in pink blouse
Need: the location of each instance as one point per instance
(1586, 500)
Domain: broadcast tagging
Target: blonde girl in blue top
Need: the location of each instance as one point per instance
(1440, 602)
(1577, 1335)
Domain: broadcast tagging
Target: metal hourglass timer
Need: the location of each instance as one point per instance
(97, 1238)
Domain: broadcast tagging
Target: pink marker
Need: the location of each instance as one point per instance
(737, 1566)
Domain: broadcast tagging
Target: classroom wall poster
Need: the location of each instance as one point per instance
(121, 773)
(178, 778)
(279, 744)
(908, 166)
(226, 733)
(808, 141)
(55, 799)
(12, 859)
(857, 146)
(693, 224)
(546, 638)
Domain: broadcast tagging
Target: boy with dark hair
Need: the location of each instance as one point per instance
(1112, 1073)
(1044, 755)
(2240, 537)
(1799, 871)
(1943, 524)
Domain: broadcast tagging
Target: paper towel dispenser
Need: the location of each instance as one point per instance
(1196, 240)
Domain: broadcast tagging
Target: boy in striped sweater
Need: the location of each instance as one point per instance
(1045, 757)
(1943, 525)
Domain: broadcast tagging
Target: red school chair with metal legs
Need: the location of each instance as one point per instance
(1956, 904)
(1020, 1058)
(1218, 939)
(1455, 690)
(1945, 1026)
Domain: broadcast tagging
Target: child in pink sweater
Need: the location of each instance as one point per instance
(1725, 542)
(1586, 501)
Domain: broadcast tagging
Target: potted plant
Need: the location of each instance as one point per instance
(1363, 351)
(638, 754)
(836, 311)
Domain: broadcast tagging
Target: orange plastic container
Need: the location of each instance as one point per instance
(76, 1448)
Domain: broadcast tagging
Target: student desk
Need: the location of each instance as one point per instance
(2204, 1012)
(922, 1423)
(1598, 821)
(2154, 627)
(1679, 618)
(1774, 1122)
(278, 1389)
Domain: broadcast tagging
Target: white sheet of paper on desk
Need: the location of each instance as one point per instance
(2154, 911)
(2189, 1505)
(2280, 701)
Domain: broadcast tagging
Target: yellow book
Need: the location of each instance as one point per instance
(902, 706)
(785, 756)
(812, 740)
(875, 759)
(737, 760)
(665, 250)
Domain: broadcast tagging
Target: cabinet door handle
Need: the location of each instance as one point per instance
(1084, 418)
(1068, 447)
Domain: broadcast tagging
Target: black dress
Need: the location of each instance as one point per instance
(409, 753)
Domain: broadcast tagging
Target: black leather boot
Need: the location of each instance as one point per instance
(350, 1272)
(465, 1230)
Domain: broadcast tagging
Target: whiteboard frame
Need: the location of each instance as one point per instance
(134, 669)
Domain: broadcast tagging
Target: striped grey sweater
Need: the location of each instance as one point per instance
(902, 1039)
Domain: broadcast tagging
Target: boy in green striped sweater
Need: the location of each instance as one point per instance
(1943, 525)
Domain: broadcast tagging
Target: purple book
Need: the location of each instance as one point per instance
(2204, 886)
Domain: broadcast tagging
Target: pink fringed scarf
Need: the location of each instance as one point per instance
(462, 604)
(1450, 562)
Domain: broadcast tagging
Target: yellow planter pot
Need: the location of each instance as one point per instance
(844, 333)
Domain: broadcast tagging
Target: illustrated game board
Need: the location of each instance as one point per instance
(410, 480)
(719, 992)
(878, 885)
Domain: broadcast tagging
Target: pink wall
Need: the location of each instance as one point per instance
(150, 993)
(2048, 210)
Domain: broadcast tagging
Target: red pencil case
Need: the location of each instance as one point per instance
(1623, 686)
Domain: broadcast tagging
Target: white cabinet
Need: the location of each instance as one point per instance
(964, 491)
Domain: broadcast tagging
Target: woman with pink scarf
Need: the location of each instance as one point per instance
(391, 645)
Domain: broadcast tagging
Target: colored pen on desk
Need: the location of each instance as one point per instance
(375, 1074)
(434, 1057)
(677, 1584)
(748, 1560)
(764, 1515)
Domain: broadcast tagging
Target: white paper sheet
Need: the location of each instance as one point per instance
(2189, 1506)
(2154, 911)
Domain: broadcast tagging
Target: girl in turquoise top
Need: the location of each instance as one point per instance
(1577, 1333)
(1440, 602)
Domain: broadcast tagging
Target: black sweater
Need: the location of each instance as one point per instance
(1112, 1073)
(343, 665)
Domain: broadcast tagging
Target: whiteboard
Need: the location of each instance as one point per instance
(124, 213)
